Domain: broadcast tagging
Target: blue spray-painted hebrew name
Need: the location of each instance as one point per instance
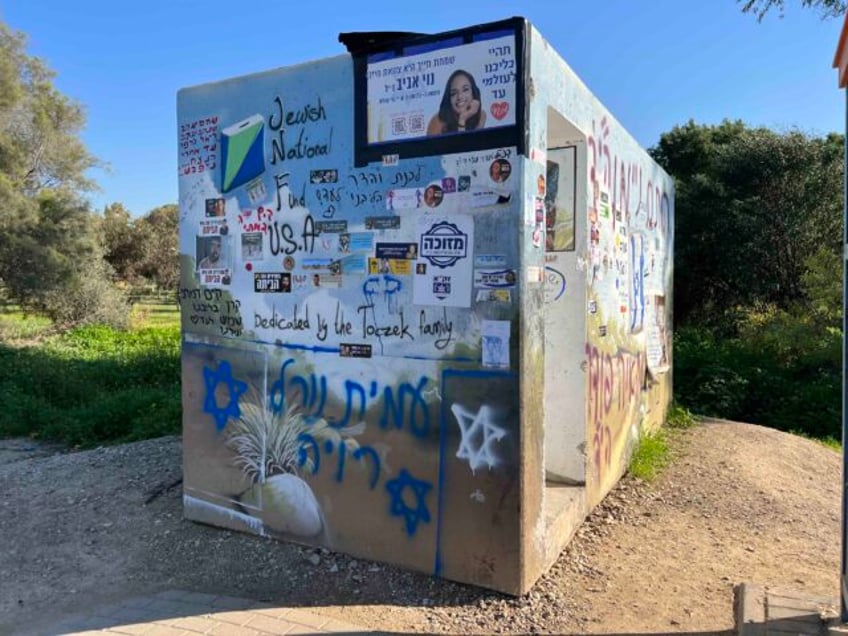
(308, 443)
(398, 406)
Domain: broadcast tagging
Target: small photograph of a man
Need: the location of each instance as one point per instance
(433, 195)
(212, 250)
(215, 207)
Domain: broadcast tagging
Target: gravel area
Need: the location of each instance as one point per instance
(740, 503)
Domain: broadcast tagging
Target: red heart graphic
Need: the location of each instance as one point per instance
(500, 110)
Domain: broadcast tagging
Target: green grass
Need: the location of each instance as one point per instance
(680, 417)
(150, 314)
(650, 456)
(93, 385)
(16, 325)
(831, 443)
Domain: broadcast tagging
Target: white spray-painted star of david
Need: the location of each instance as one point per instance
(479, 434)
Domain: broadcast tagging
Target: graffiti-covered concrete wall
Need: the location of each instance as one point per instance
(393, 307)
(615, 268)
(349, 365)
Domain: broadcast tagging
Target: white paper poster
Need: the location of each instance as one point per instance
(444, 271)
(496, 344)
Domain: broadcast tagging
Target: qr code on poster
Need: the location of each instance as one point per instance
(399, 125)
(416, 123)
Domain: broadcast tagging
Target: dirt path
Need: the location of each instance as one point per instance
(740, 503)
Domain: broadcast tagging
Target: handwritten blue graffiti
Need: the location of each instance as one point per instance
(401, 405)
(387, 286)
(310, 450)
(556, 280)
(235, 388)
(413, 515)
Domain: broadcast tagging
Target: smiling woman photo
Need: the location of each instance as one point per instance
(461, 108)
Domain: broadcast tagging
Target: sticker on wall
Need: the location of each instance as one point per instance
(464, 183)
(323, 176)
(494, 278)
(490, 260)
(657, 337)
(212, 252)
(242, 157)
(382, 222)
(539, 221)
(604, 207)
(534, 274)
(251, 246)
(395, 266)
(288, 263)
(445, 246)
(433, 195)
(602, 330)
(356, 242)
(353, 264)
(272, 282)
(496, 344)
(354, 350)
(404, 199)
(482, 197)
(317, 263)
(397, 250)
(256, 190)
(333, 281)
(538, 155)
(493, 296)
(330, 227)
(390, 160)
(218, 227)
(215, 207)
(500, 170)
(593, 306)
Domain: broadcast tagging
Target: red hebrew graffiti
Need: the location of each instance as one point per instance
(198, 146)
(615, 386)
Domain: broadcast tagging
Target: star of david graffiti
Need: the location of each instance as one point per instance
(479, 434)
(235, 388)
(412, 514)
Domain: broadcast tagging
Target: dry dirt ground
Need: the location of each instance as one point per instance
(740, 503)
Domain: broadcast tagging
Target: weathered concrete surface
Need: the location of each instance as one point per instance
(762, 610)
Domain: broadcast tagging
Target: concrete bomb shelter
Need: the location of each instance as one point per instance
(426, 301)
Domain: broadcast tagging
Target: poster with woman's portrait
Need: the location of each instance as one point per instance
(447, 89)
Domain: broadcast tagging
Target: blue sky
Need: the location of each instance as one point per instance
(653, 63)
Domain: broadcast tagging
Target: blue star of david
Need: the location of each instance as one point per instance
(223, 375)
(399, 508)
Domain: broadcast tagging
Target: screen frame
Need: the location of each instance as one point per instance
(514, 135)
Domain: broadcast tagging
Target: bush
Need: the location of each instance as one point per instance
(88, 298)
(781, 369)
(93, 385)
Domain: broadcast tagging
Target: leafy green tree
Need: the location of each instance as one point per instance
(827, 8)
(51, 258)
(122, 249)
(157, 234)
(751, 205)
